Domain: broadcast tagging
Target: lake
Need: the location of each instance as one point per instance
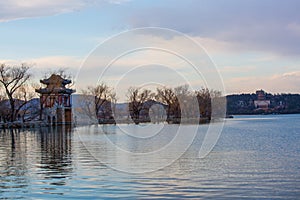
(255, 157)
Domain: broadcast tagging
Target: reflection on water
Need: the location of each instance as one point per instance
(253, 159)
(42, 156)
(13, 167)
(120, 150)
(56, 163)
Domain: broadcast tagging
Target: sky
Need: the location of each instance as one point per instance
(246, 44)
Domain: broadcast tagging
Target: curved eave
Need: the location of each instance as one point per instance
(66, 81)
(45, 81)
(66, 91)
(55, 91)
(63, 81)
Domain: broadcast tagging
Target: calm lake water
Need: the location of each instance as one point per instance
(256, 157)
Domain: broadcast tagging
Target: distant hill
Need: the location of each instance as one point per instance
(279, 103)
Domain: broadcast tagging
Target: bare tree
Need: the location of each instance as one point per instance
(206, 98)
(23, 96)
(86, 107)
(218, 103)
(188, 104)
(137, 98)
(13, 79)
(168, 97)
(204, 101)
(100, 104)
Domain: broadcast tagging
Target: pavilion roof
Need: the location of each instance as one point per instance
(55, 84)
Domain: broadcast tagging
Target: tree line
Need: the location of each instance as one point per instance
(100, 100)
(178, 103)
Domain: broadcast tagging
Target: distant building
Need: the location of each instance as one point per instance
(261, 102)
(55, 100)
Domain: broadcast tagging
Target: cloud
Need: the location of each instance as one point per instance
(248, 25)
(237, 69)
(42, 65)
(287, 82)
(16, 9)
(91, 67)
(178, 53)
(294, 28)
(55, 61)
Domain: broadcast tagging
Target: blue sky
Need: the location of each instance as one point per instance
(254, 43)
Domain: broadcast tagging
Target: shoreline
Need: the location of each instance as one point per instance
(41, 124)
